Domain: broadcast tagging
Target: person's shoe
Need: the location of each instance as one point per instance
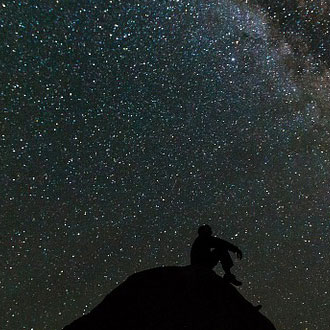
(230, 278)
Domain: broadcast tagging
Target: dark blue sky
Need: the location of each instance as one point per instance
(126, 124)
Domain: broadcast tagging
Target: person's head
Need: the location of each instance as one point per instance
(205, 231)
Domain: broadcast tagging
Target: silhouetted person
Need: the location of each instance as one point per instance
(208, 250)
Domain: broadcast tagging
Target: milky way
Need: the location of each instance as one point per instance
(126, 124)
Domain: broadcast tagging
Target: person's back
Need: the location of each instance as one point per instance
(200, 253)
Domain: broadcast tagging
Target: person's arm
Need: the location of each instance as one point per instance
(220, 243)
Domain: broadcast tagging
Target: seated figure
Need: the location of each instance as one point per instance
(208, 250)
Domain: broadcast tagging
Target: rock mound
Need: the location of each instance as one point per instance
(174, 298)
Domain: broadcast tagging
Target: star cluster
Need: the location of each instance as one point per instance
(126, 124)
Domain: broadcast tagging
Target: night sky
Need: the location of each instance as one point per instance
(125, 124)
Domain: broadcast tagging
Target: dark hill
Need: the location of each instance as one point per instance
(174, 298)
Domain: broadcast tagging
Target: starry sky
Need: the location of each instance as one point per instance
(126, 124)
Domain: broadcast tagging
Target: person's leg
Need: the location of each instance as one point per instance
(227, 264)
(223, 256)
(226, 261)
(214, 258)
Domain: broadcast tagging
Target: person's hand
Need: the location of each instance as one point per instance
(239, 254)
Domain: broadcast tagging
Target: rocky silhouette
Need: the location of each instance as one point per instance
(174, 298)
